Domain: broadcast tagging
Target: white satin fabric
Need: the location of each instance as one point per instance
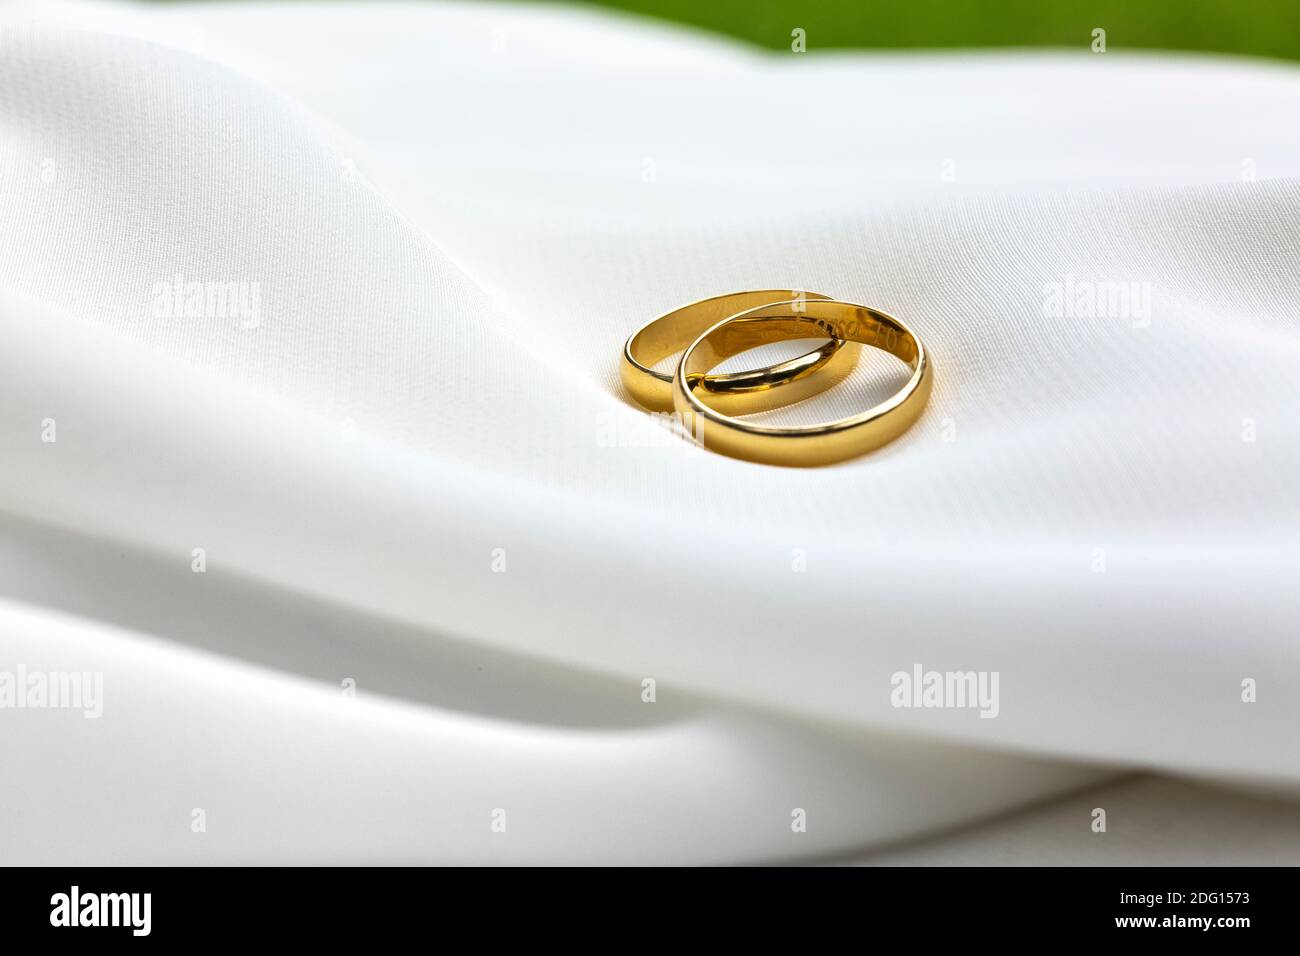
(412, 468)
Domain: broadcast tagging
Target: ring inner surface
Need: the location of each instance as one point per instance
(854, 324)
(672, 333)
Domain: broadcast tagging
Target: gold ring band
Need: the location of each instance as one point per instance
(737, 393)
(820, 444)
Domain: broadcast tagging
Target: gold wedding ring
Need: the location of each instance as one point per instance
(737, 393)
(820, 444)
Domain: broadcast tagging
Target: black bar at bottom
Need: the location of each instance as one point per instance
(377, 905)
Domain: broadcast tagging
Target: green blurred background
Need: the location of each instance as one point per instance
(1255, 27)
